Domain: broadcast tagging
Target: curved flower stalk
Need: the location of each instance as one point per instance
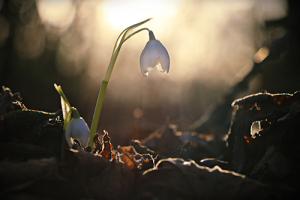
(151, 51)
(154, 54)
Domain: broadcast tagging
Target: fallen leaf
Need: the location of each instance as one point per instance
(163, 141)
(245, 149)
(9, 102)
(81, 176)
(134, 160)
(98, 145)
(179, 179)
(106, 147)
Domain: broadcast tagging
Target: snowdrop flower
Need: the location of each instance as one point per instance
(78, 129)
(154, 54)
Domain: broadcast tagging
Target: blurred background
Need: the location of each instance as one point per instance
(211, 44)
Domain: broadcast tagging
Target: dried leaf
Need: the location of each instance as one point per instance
(22, 119)
(179, 179)
(127, 156)
(107, 147)
(133, 160)
(9, 102)
(16, 173)
(163, 141)
(83, 176)
(42, 140)
(141, 149)
(273, 161)
(278, 166)
(97, 142)
(246, 149)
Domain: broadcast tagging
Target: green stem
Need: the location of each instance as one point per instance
(112, 64)
(101, 95)
(75, 113)
(97, 112)
(120, 41)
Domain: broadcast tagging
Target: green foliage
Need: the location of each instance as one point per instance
(65, 106)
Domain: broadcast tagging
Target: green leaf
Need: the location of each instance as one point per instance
(65, 106)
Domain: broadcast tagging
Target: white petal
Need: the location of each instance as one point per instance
(159, 67)
(68, 134)
(164, 58)
(81, 131)
(149, 56)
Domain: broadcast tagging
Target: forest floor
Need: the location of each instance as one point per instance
(258, 159)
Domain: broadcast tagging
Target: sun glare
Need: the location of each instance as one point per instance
(120, 14)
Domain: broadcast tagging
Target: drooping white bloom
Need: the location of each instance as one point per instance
(154, 54)
(78, 129)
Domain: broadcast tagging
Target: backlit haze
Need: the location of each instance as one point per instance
(211, 46)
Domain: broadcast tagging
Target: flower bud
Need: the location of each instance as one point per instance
(78, 129)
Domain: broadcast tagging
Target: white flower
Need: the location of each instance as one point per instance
(154, 54)
(79, 130)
